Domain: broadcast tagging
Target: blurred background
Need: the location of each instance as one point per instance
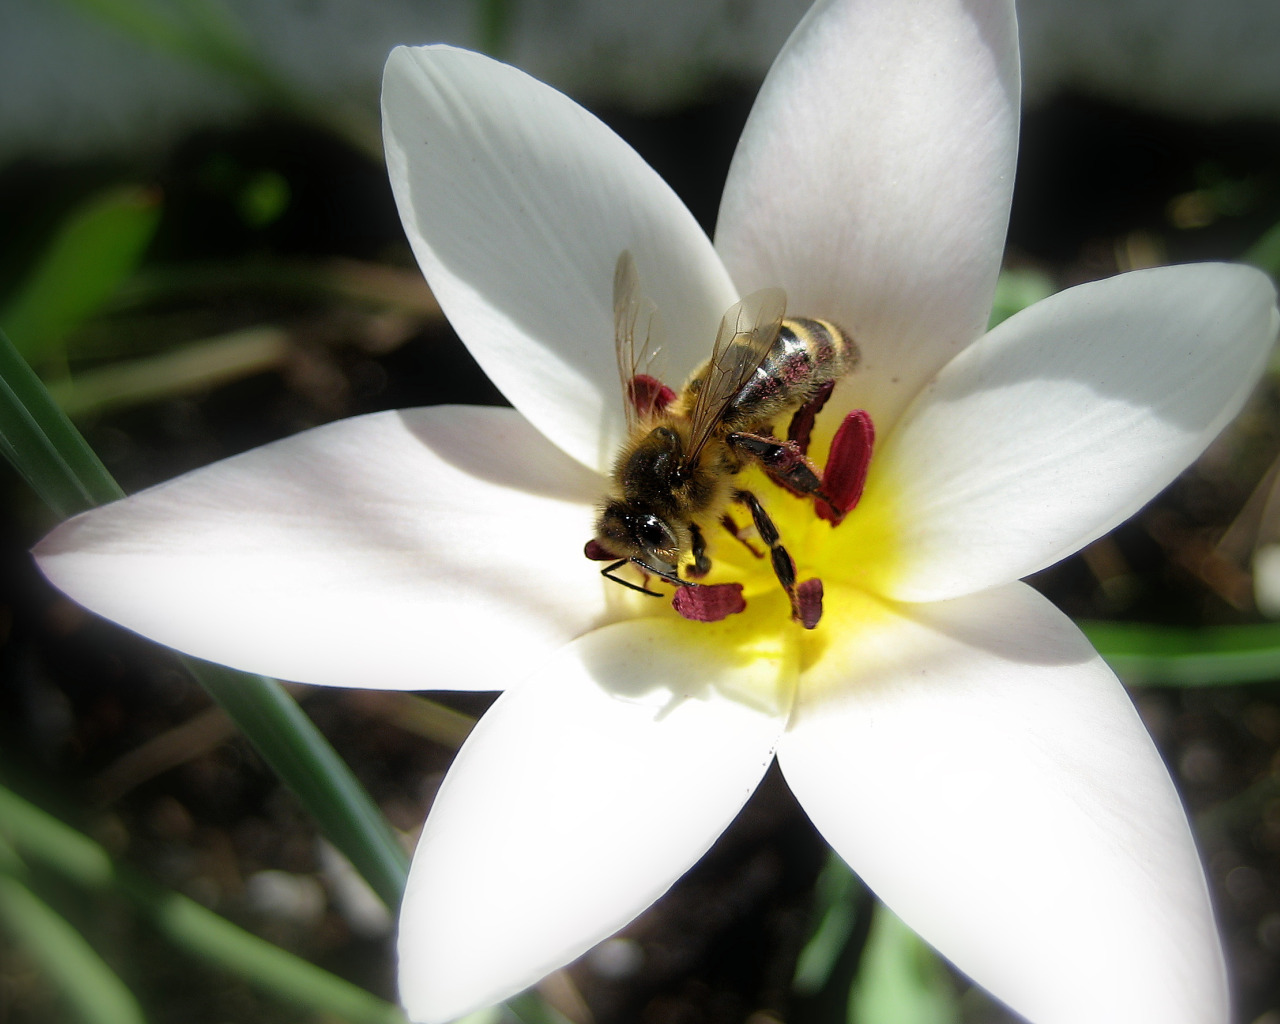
(199, 253)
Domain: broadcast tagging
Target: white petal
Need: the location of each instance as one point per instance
(384, 551)
(1266, 580)
(517, 203)
(873, 180)
(1065, 420)
(574, 804)
(983, 771)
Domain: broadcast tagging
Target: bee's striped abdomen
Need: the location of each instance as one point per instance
(806, 355)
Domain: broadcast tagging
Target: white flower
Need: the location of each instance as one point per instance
(950, 733)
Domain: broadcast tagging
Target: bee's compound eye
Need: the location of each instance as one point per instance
(653, 534)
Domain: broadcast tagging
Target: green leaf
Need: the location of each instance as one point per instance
(200, 932)
(1265, 252)
(528, 1008)
(901, 980)
(836, 910)
(90, 990)
(97, 247)
(42, 444)
(1175, 656)
(1016, 289)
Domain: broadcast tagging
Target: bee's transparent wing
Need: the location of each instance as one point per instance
(746, 334)
(635, 316)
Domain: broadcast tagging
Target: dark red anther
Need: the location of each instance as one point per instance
(597, 553)
(648, 395)
(709, 603)
(808, 605)
(845, 474)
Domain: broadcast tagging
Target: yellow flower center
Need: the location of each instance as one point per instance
(854, 560)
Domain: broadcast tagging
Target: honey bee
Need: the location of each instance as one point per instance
(675, 476)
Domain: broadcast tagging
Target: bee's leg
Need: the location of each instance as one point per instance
(701, 563)
(739, 534)
(786, 465)
(802, 422)
(806, 597)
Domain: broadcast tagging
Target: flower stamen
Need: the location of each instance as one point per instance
(648, 395)
(845, 474)
(807, 607)
(709, 602)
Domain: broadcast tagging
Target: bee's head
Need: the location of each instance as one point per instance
(640, 535)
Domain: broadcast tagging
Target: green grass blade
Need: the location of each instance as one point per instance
(44, 446)
(838, 904)
(269, 968)
(863, 964)
(95, 250)
(139, 20)
(494, 22)
(300, 755)
(827, 966)
(50, 454)
(1173, 656)
(200, 932)
(1265, 252)
(89, 989)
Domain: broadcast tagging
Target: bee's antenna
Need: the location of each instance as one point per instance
(608, 573)
(670, 577)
